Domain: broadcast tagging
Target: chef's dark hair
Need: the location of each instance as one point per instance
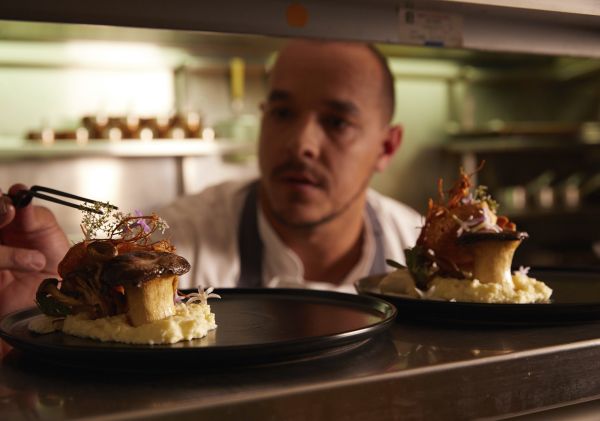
(388, 93)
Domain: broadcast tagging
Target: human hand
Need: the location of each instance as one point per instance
(31, 246)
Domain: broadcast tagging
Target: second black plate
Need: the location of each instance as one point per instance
(254, 326)
(575, 299)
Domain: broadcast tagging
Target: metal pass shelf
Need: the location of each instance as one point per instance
(124, 148)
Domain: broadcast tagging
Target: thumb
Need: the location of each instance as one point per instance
(13, 258)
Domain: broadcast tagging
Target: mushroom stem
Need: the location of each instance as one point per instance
(492, 254)
(151, 300)
(493, 260)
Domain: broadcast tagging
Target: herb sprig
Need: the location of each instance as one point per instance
(481, 193)
(112, 224)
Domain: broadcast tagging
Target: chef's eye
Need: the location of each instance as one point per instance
(281, 113)
(334, 122)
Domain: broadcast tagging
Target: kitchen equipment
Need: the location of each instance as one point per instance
(541, 190)
(569, 190)
(23, 197)
(240, 126)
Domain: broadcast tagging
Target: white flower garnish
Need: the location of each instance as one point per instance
(482, 223)
(201, 296)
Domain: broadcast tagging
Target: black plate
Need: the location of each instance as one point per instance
(254, 326)
(575, 299)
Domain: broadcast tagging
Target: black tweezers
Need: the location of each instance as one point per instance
(23, 197)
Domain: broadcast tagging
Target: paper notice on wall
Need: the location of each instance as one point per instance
(430, 28)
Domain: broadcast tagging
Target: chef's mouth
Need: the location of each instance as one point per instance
(301, 180)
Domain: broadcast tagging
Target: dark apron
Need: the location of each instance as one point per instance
(250, 246)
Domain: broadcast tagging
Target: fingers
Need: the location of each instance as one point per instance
(16, 187)
(24, 217)
(4, 348)
(7, 211)
(30, 218)
(13, 258)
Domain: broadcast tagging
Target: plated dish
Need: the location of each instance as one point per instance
(120, 284)
(464, 253)
(575, 299)
(255, 326)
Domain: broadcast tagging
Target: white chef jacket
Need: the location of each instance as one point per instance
(204, 229)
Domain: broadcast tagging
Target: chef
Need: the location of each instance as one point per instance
(310, 219)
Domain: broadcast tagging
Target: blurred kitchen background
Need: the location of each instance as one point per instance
(139, 116)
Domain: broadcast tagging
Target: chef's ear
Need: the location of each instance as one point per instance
(390, 145)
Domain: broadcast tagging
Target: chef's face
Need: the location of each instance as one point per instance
(324, 131)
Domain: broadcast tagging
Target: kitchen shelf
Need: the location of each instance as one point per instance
(518, 136)
(553, 212)
(125, 148)
(517, 143)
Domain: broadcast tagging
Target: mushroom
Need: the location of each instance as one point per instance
(150, 282)
(101, 250)
(53, 302)
(492, 253)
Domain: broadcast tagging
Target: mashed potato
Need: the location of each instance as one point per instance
(518, 289)
(190, 321)
(400, 282)
(43, 324)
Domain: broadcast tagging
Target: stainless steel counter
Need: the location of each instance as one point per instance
(412, 372)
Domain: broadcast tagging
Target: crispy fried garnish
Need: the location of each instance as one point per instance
(460, 210)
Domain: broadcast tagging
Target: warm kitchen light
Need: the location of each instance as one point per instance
(120, 54)
(82, 136)
(70, 79)
(115, 134)
(178, 133)
(99, 179)
(97, 54)
(193, 119)
(208, 134)
(146, 134)
(47, 136)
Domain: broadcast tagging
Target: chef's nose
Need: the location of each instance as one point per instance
(306, 138)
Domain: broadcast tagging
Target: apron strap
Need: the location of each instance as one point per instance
(379, 266)
(250, 246)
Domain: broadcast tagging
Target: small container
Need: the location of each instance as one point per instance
(513, 197)
(132, 127)
(541, 191)
(163, 126)
(545, 197)
(193, 125)
(570, 192)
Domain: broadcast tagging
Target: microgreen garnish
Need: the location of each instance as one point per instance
(93, 223)
(417, 263)
(112, 224)
(481, 193)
